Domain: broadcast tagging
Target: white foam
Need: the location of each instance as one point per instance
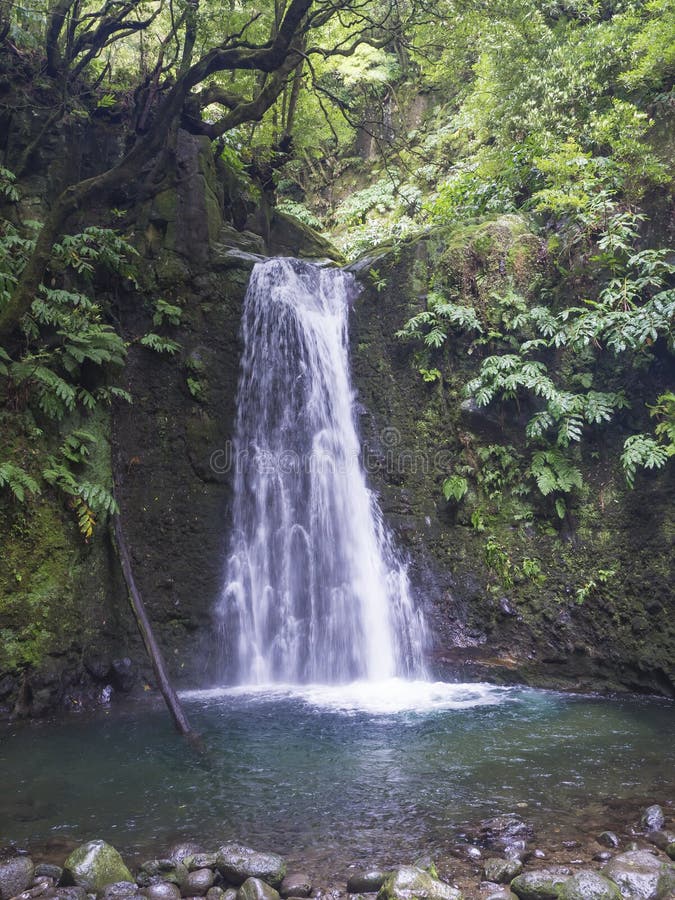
(389, 697)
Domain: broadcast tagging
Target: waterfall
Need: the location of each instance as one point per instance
(314, 590)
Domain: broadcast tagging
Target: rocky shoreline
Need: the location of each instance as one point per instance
(503, 863)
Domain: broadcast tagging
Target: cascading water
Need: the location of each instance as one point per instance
(314, 591)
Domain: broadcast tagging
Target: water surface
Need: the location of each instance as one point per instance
(332, 776)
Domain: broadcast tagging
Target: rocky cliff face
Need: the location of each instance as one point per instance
(67, 632)
(512, 592)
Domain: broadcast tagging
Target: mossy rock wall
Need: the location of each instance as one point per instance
(511, 591)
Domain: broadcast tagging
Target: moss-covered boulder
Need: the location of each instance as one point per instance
(640, 875)
(411, 883)
(237, 863)
(589, 885)
(502, 871)
(95, 865)
(255, 889)
(544, 884)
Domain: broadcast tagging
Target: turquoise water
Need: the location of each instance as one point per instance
(333, 776)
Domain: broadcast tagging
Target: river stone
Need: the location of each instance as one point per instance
(505, 831)
(640, 875)
(366, 882)
(237, 863)
(502, 871)
(217, 893)
(297, 884)
(543, 884)
(200, 861)
(256, 889)
(653, 818)
(197, 883)
(47, 870)
(95, 865)
(588, 885)
(427, 864)
(16, 874)
(661, 838)
(184, 849)
(489, 891)
(608, 839)
(162, 890)
(70, 893)
(120, 890)
(411, 883)
(157, 866)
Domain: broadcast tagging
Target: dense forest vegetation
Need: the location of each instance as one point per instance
(375, 122)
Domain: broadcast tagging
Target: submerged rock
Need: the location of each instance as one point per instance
(255, 889)
(411, 883)
(588, 885)
(16, 874)
(95, 865)
(640, 875)
(505, 831)
(237, 863)
(653, 818)
(366, 882)
(544, 884)
(502, 871)
(46, 870)
(297, 884)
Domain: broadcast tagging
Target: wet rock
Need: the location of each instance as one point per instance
(296, 884)
(123, 674)
(237, 863)
(473, 852)
(16, 875)
(162, 890)
(507, 608)
(366, 882)
(653, 818)
(70, 893)
(255, 889)
(411, 883)
(502, 871)
(46, 870)
(427, 864)
(544, 884)
(661, 839)
(217, 893)
(538, 854)
(489, 891)
(197, 883)
(95, 865)
(516, 850)
(200, 861)
(608, 839)
(640, 875)
(505, 831)
(183, 850)
(602, 856)
(587, 885)
(120, 890)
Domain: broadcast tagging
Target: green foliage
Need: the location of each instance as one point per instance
(16, 480)
(455, 487)
(166, 312)
(88, 500)
(160, 344)
(300, 212)
(591, 587)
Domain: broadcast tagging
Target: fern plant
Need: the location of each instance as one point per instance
(16, 480)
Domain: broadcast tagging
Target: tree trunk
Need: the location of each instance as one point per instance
(170, 697)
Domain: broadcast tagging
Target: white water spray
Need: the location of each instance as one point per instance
(314, 590)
